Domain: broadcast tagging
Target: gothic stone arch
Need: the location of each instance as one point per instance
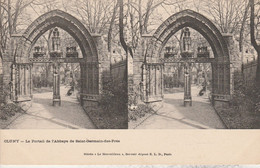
(90, 77)
(152, 68)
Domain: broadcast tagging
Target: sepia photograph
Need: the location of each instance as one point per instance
(129, 64)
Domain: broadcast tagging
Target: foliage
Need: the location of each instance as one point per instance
(245, 98)
(41, 81)
(136, 95)
(9, 110)
(114, 96)
(5, 93)
(170, 82)
(135, 109)
(244, 109)
(113, 104)
(140, 111)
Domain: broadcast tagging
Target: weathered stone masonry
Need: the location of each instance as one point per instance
(94, 67)
(148, 82)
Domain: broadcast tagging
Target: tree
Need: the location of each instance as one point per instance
(110, 30)
(141, 17)
(121, 29)
(243, 25)
(11, 17)
(226, 16)
(95, 14)
(253, 39)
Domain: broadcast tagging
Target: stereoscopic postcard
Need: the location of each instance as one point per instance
(130, 82)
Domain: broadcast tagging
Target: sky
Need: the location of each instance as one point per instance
(163, 12)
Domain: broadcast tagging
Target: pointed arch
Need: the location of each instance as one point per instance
(65, 21)
(221, 71)
(189, 18)
(90, 74)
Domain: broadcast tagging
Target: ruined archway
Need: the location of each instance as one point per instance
(90, 78)
(153, 67)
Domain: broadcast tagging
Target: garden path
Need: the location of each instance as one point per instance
(42, 115)
(173, 114)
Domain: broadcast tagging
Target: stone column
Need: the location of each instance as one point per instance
(101, 70)
(187, 86)
(235, 60)
(13, 81)
(162, 82)
(82, 81)
(56, 84)
(31, 81)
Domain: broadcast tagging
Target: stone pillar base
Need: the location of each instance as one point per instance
(56, 102)
(25, 105)
(156, 105)
(187, 102)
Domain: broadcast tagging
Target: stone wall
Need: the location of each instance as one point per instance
(234, 54)
(118, 71)
(90, 102)
(249, 72)
(103, 59)
(137, 69)
(234, 57)
(6, 76)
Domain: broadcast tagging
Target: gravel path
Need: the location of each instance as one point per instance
(42, 115)
(174, 115)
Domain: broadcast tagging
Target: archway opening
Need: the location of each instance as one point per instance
(200, 69)
(88, 62)
(43, 69)
(221, 77)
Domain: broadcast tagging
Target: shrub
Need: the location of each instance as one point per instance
(9, 110)
(245, 98)
(114, 97)
(112, 111)
(140, 111)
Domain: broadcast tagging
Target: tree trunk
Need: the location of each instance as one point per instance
(147, 15)
(241, 36)
(1, 34)
(121, 29)
(140, 17)
(241, 33)
(253, 40)
(258, 69)
(9, 18)
(109, 36)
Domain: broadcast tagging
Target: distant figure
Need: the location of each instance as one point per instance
(70, 91)
(203, 90)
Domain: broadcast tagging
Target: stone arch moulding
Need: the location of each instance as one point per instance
(65, 21)
(22, 86)
(220, 67)
(189, 18)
